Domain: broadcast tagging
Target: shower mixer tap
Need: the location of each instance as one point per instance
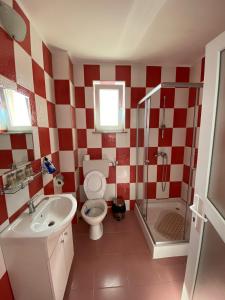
(162, 154)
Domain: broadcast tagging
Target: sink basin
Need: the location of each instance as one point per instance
(52, 216)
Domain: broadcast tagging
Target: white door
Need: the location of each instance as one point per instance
(205, 273)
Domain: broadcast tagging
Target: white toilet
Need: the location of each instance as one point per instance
(94, 209)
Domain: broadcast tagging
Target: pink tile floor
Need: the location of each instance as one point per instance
(119, 266)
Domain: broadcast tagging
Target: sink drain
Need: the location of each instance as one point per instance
(51, 223)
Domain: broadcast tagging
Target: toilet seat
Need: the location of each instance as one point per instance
(94, 185)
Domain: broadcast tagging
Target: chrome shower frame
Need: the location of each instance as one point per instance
(170, 85)
(147, 100)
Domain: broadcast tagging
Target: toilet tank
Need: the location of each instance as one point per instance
(101, 165)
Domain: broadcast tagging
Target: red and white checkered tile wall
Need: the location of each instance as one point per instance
(191, 154)
(29, 66)
(179, 117)
(66, 121)
(171, 141)
(15, 148)
(139, 80)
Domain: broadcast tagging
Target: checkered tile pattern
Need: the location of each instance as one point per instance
(122, 146)
(15, 148)
(191, 156)
(29, 65)
(172, 142)
(177, 141)
(66, 121)
(59, 119)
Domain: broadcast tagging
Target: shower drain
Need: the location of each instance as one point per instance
(51, 223)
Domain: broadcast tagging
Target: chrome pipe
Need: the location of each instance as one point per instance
(165, 168)
(163, 125)
(170, 85)
(164, 172)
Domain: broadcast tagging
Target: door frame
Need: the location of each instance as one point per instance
(206, 139)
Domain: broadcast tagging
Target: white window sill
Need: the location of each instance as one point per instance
(99, 132)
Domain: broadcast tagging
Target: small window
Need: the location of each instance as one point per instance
(109, 98)
(18, 117)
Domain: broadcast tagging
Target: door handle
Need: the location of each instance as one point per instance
(193, 208)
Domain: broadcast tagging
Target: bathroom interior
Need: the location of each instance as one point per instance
(111, 150)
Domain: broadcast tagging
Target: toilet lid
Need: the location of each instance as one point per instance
(94, 185)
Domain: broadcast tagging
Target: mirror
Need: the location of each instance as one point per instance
(12, 22)
(16, 139)
(16, 149)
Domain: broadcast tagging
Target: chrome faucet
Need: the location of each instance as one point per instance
(31, 206)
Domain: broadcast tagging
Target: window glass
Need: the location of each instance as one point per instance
(109, 107)
(3, 113)
(109, 98)
(18, 110)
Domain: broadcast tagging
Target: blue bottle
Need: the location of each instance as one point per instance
(48, 165)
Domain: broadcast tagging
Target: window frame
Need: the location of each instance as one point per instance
(111, 85)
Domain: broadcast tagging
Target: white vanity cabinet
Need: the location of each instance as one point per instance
(39, 268)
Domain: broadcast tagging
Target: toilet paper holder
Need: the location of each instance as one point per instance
(59, 179)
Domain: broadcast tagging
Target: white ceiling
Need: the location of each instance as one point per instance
(167, 32)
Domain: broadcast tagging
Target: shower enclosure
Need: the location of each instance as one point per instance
(167, 138)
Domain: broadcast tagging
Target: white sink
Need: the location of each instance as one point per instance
(52, 216)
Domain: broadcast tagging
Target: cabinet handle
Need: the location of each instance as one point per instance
(65, 233)
(62, 241)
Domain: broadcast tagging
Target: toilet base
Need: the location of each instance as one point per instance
(96, 231)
